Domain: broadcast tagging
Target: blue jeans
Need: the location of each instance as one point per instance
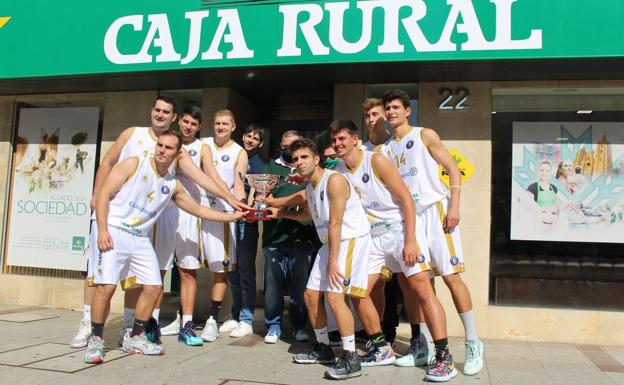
(287, 262)
(243, 279)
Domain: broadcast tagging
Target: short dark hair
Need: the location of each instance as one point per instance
(304, 143)
(194, 112)
(396, 94)
(256, 129)
(288, 133)
(339, 125)
(173, 133)
(166, 99)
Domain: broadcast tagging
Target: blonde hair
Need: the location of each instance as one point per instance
(225, 112)
(371, 103)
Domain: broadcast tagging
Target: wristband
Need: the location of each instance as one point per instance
(455, 186)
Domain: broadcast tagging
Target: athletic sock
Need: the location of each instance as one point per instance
(321, 335)
(128, 317)
(86, 312)
(378, 339)
(424, 331)
(138, 327)
(97, 329)
(156, 314)
(348, 343)
(186, 318)
(441, 347)
(415, 330)
(215, 310)
(470, 327)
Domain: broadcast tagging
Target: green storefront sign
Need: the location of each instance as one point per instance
(45, 38)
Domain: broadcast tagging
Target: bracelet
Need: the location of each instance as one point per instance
(455, 186)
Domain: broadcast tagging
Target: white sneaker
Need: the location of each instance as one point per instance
(210, 332)
(173, 328)
(123, 333)
(243, 329)
(82, 337)
(228, 326)
(474, 357)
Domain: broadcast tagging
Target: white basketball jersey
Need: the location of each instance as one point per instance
(417, 168)
(224, 159)
(142, 143)
(142, 198)
(383, 213)
(194, 150)
(354, 223)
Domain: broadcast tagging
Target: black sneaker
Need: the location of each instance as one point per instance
(347, 366)
(320, 354)
(152, 331)
(334, 339)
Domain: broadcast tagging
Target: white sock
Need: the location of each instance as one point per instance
(424, 331)
(321, 335)
(470, 326)
(348, 343)
(86, 313)
(156, 314)
(186, 318)
(128, 319)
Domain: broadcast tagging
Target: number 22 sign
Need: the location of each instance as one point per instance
(453, 100)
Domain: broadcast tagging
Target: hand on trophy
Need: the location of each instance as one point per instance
(262, 184)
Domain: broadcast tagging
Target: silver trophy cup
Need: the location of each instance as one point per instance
(263, 184)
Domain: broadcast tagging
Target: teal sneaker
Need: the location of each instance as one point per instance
(188, 336)
(95, 350)
(152, 331)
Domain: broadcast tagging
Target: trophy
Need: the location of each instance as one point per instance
(262, 183)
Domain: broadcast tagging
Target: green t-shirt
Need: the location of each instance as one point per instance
(286, 230)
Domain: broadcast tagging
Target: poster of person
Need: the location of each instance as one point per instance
(52, 182)
(568, 182)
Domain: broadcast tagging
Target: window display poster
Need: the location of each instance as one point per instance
(568, 182)
(52, 182)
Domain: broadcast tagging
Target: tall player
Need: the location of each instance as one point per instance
(219, 239)
(418, 152)
(140, 141)
(129, 203)
(395, 236)
(340, 268)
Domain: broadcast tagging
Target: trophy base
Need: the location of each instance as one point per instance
(257, 215)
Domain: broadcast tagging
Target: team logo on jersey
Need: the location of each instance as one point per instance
(225, 158)
(412, 172)
(421, 258)
(165, 190)
(365, 178)
(226, 262)
(409, 144)
(346, 282)
(322, 196)
(192, 152)
(454, 261)
(150, 196)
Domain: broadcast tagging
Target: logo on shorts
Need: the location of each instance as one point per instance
(322, 196)
(165, 190)
(225, 158)
(454, 261)
(192, 152)
(226, 262)
(421, 258)
(365, 178)
(346, 282)
(409, 144)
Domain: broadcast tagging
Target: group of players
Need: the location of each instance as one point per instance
(381, 209)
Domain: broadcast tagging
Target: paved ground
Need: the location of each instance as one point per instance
(34, 350)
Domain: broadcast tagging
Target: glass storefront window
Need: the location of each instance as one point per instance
(557, 197)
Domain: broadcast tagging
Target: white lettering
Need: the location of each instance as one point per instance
(196, 19)
(110, 41)
(391, 42)
(503, 30)
(160, 25)
(229, 19)
(289, 39)
(336, 26)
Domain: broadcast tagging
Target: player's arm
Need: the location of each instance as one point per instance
(441, 155)
(390, 176)
(110, 160)
(337, 193)
(301, 215)
(208, 167)
(295, 199)
(242, 163)
(113, 183)
(183, 200)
